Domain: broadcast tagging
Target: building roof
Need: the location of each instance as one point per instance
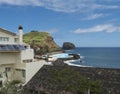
(8, 32)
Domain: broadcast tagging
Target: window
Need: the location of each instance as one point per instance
(0, 75)
(8, 69)
(23, 73)
(27, 61)
(15, 39)
(4, 38)
(0, 83)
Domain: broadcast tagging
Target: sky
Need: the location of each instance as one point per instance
(86, 23)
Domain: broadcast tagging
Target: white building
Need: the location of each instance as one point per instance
(16, 59)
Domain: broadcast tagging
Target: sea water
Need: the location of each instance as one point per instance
(104, 57)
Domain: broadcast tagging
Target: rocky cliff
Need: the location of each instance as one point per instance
(41, 41)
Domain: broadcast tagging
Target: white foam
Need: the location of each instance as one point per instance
(70, 64)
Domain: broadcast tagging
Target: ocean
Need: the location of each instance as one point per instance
(103, 57)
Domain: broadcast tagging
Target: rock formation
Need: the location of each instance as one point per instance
(68, 46)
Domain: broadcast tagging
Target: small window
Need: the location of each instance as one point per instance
(0, 38)
(0, 83)
(0, 75)
(27, 61)
(23, 73)
(8, 69)
(15, 39)
(4, 38)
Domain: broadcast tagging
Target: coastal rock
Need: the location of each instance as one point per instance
(68, 46)
(59, 62)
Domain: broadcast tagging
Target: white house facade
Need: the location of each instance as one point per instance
(16, 58)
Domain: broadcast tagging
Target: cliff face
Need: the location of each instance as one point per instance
(41, 41)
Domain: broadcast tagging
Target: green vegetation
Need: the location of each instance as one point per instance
(57, 82)
(35, 35)
(71, 81)
(13, 87)
(42, 42)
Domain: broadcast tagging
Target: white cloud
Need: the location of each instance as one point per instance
(100, 6)
(99, 28)
(12, 2)
(21, 2)
(62, 5)
(94, 16)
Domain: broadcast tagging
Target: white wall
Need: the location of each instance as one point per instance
(18, 67)
(18, 75)
(33, 68)
(30, 70)
(16, 57)
(11, 38)
(9, 73)
(27, 54)
(9, 58)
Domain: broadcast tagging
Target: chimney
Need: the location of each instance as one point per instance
(20, 35)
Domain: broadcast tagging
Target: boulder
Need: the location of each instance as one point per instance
(59, 62)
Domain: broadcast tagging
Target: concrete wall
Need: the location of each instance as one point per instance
(32, 68)
(18, 75)
(27, 54)
(16, 57)
(7, 75)
(18, 71)
(20, 66)
(9, 58)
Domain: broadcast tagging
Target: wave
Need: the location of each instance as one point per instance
(78, 65)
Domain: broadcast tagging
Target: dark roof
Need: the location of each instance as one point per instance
(8, 47)
(8, 32)
(20, 27)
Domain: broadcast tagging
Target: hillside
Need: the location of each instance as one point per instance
(41, 42)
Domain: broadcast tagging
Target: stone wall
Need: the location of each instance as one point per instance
(110, 78)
